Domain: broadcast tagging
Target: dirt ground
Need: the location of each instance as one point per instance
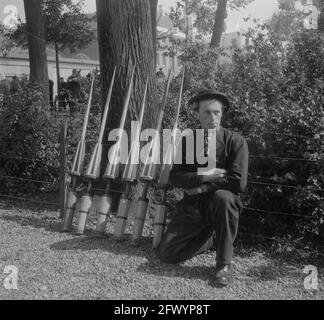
(56, 265)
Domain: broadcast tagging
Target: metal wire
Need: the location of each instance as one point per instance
(29, 200)
(287, 159)
(20, 158)
(279, 213)
(274, 239)
(280, 185)
(24, 179)
(288, 135)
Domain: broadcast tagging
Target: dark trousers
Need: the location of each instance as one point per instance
(200, 222)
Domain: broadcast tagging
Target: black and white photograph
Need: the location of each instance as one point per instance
(164, 154)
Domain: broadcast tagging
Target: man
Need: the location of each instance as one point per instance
(160, 73)
(51, 93)
(208, 215)
(62, 98)
(4, 85)
(14, 85)
(74, 87)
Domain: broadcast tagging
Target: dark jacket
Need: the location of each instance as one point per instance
(231, 154)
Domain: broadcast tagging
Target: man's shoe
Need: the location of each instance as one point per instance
(224, 274)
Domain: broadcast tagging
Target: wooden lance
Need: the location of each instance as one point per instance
(77, 168)
(163, 182)
(149, 170)
(112, 169)
(93, 169)
(129, 175)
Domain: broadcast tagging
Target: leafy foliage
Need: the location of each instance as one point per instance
(6, 42)
(66, 25)
(277, 104)
(204, 12)
(28, 144)
(29, 140)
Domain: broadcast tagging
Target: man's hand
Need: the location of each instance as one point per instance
(198, 190)
(213, 174)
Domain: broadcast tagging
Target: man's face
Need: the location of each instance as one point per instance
(210, 114)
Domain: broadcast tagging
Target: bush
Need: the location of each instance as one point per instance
(85, 85)
(26, 132)
(277, 104)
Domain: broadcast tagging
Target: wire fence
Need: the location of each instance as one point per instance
(63, 184)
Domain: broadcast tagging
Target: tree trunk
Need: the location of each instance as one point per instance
(57, 61)
(218, 29)
(37, 49)
(154, 4)
(125, 40)
(321, 19)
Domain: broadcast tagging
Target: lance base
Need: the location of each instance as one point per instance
(159, 224)
(85, 204)
(69, 212)
(129, 174)
(122, 215)
(112, 170)
(139, 219)
(146, 178)
(164, 176)
(102, 212)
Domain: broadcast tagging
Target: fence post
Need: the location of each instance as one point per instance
(63, 131)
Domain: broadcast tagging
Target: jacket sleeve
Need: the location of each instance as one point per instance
(182, 175)
(235, 179)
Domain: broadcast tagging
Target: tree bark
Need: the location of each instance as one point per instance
(37, 49)
(125, 40)
(154, 4)
(218, 29)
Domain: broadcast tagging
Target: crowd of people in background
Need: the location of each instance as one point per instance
(68, 96)
(69, 93)
(11, 85)
(66, 99)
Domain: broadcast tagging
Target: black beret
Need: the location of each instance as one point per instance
(210, 93)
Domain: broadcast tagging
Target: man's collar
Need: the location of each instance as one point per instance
(220, 128)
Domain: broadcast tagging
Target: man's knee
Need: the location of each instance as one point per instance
(224, 198)
(226, 203)
(164, 252)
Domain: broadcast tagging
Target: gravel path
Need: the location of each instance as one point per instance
(55, 265)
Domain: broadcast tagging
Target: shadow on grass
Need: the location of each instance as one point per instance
(47, 223)
(157, 268)
(273, 272)
(91, 241)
